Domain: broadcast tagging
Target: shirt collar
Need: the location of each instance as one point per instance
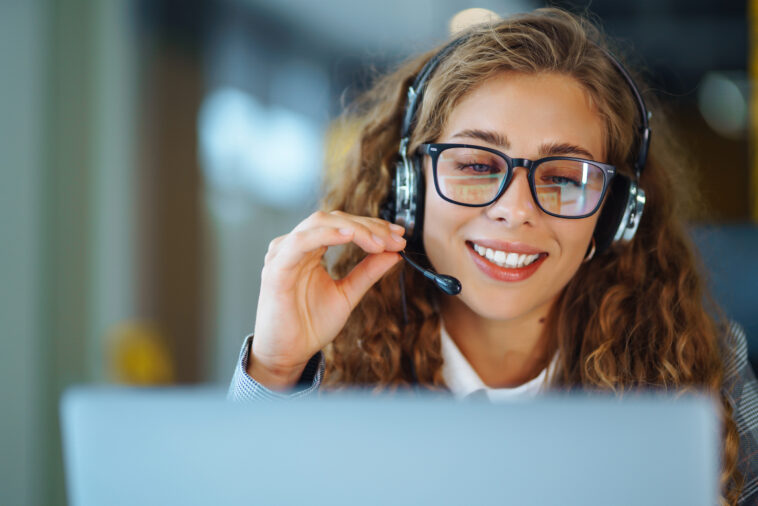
(462, 379)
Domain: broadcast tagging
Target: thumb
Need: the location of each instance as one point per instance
(355, 285)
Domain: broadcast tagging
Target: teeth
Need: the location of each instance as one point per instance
(503, 259)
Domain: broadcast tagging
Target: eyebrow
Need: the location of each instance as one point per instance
(547, 149)
(487, 136)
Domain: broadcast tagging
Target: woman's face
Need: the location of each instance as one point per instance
(524, 116)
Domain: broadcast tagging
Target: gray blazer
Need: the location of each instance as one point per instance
(740, 387)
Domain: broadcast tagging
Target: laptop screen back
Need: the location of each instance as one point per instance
(186, 447)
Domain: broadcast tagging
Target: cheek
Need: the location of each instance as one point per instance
(442, 221)
(435, 218)
(575, 236)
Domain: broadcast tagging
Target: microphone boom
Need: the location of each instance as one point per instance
(447, 284)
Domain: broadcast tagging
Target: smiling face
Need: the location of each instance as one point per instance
(525, 116)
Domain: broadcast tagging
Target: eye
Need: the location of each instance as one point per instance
(470, 162)
(478, 168)
(565, 173)
(562, 181)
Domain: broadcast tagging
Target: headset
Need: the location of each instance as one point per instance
(617, 223)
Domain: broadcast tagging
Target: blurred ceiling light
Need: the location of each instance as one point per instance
(272, 155)
(471, 17)
(722, 99)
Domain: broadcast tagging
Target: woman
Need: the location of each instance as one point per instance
(528, 140)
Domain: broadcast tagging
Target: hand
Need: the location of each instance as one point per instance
(301, 308)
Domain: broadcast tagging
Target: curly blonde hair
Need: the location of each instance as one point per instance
(629, 319)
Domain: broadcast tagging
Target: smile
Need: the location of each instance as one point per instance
(505, 264)
(504, 258)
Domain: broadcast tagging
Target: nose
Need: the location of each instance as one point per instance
(516, 205)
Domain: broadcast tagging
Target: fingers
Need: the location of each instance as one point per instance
(367, 230)
(299, 245)
(321, 230)
(355, 285)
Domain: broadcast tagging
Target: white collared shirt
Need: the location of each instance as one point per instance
(463, 380)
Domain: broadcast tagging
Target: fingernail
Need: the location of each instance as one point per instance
(397, 238)
(397, 228)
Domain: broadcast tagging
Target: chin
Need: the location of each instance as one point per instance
(493, 306)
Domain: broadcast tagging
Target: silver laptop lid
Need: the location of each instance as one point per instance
(186, 447)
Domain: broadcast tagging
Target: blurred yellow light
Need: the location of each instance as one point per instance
(470, 17)
(139, 355)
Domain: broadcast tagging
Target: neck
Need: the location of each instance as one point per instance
(504, 353)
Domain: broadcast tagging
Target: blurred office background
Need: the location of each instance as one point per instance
(151, 149)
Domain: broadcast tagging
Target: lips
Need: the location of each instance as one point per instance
(507, 261)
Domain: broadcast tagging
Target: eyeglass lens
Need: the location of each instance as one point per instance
(563, 187)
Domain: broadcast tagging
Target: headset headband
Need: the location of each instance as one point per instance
(416, 90)
(416, 94)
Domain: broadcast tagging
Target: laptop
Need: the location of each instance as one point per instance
(192, 447)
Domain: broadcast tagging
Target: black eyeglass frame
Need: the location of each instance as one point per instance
(435, 149)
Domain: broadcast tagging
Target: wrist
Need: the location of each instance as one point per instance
(271, 376)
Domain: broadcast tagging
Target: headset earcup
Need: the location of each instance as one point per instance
(416, 242)
(612, 214)
(387, 210)
(413, 211)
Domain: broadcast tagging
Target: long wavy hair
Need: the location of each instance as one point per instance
(630, 319)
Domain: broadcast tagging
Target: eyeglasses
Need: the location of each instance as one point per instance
(477, 176)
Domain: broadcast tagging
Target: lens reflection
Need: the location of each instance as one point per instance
(469, 175)
(568, 187)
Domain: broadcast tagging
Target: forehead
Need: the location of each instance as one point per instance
(531, 109)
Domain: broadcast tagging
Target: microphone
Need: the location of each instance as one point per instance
(447, 284)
